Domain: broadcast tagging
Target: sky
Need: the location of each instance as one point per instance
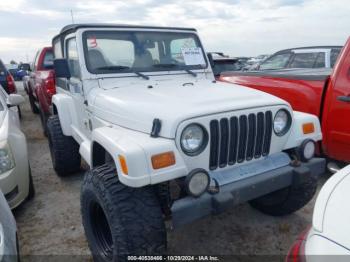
(235, 27)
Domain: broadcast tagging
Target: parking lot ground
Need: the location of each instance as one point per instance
(51, 223)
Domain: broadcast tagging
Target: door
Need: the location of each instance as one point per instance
(32, 74)
(81, 125)
(336, 120)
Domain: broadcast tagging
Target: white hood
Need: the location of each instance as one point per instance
(136, 106)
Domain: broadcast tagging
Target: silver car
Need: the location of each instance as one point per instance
(8, 233)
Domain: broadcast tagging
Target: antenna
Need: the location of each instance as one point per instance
(71, 13)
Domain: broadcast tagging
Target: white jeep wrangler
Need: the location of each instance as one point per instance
(164, 140)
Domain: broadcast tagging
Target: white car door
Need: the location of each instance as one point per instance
(76, 87)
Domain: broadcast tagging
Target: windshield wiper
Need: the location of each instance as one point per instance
(119, 68)
(177, 66)
(140, 74)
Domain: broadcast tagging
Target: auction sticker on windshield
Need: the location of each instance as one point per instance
(193, 55)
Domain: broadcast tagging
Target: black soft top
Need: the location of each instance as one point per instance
(74, 27)
(311, 74)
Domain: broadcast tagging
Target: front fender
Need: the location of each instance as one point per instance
(66, 112)
(297, 135)
(138, 148)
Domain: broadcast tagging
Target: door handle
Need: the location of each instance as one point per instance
(345, 99)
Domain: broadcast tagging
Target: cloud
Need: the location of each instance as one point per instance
(236, 27)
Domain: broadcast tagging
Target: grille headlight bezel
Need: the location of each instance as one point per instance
(287, 124)
(203, 141)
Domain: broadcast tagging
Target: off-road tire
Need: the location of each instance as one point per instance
(64, 150)
(32, 104)
(31, 192)
(120, 220)
(288, 200)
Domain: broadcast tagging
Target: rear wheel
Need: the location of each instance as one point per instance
(64, 150)
(119, 220)
(288, 200)
(33, 106)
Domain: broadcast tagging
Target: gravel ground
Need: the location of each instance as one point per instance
(51, 223)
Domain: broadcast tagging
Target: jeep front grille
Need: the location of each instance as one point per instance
(238, 139)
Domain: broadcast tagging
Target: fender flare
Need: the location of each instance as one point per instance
(116, 142)
(65, 110)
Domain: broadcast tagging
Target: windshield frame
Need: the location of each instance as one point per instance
(85, 33)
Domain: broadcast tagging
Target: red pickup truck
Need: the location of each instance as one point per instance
(40, 85)
(322, 92)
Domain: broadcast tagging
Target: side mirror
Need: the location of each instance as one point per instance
(211, 60)
(14, 100)
(61, 68)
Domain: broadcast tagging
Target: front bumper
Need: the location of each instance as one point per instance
(251, 186)
(15, 185)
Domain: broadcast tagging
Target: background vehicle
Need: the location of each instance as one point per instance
(15, 177)
(328, 238)
(222, 63)
(8, 233)
(322, 92)
(40, 86)
(6, 80)
(117, 106)
(302, 57)
(22, 71)
(253, 62)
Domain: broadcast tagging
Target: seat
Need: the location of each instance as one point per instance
(143, 60)
(96, 59)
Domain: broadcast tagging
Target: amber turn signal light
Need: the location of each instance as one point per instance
(163, 160)
(123, 164)
(308, 128)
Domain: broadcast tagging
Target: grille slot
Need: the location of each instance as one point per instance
(239, 139)
(223, 142)
(232, 157)
(214, 144)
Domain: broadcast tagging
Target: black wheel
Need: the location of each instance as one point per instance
(33, 106)
(31, 193)
(43, 120)
(119, 220)
(288, 200)
(64, 150)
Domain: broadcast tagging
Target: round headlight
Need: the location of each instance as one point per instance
(197, 182)
(282, 122)
(307, 150)
(194, 139)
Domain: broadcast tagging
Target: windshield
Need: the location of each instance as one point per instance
(123, 52)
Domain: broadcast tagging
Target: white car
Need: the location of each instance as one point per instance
(328, 239)
(15, 176)
(141, 105)
(8, 233)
